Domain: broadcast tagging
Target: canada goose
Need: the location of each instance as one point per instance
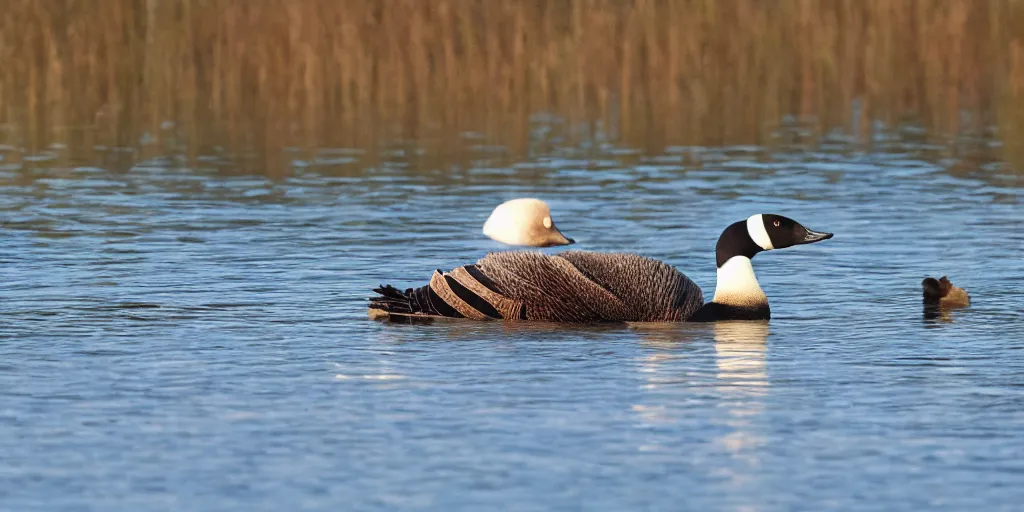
(941, 294)
(526, 222)
(588, 287)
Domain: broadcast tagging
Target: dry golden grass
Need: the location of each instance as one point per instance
(267, 74)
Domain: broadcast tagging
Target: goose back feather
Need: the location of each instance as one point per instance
(573, 286)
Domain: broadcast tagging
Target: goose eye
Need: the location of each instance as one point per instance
(776, 223)
(547, 222)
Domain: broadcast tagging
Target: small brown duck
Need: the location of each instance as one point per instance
(941, 294)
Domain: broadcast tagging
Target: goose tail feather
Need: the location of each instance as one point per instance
(462, 293)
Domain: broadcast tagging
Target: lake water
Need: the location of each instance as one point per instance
(186, 339)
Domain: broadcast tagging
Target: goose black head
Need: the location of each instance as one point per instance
(763, 232)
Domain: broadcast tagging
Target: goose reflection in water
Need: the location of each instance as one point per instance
(742, 380)
(735, 375)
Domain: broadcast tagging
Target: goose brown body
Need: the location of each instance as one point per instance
(570, 287)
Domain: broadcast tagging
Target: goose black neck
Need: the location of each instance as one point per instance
(714, 311)
(735, 241)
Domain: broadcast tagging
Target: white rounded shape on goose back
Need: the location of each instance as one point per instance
(758, 233)
(524, 221)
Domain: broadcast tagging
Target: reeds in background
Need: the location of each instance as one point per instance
(263, 75)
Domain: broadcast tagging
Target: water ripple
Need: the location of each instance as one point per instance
(197, 340)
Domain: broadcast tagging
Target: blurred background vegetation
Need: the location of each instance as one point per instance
(191, 77)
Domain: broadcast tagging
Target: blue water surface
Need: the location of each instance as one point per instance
(180, 338)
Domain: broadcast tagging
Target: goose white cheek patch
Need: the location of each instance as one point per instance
(757, 232)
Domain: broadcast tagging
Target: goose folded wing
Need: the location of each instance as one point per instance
(582, 287)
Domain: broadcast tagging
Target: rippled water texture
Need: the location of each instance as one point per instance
(175, 338)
